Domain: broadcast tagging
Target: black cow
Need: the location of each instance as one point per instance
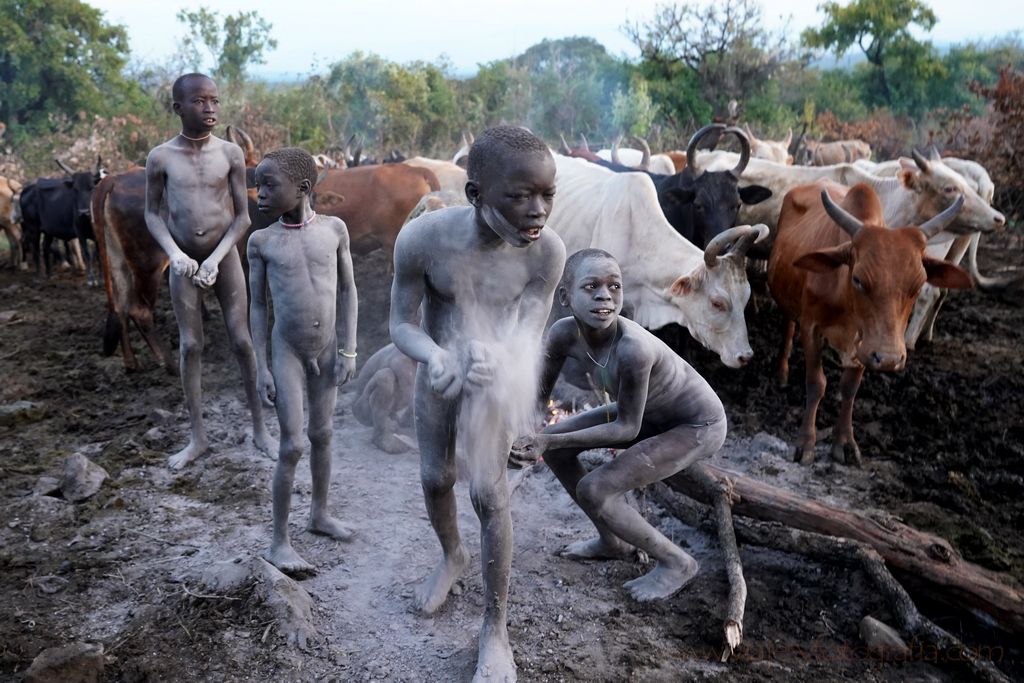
(59, 208)
(702, 205)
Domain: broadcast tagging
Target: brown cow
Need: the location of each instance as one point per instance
(850, 281)
(374, 201)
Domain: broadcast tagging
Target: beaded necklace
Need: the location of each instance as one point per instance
(295, 226)
(196, 139)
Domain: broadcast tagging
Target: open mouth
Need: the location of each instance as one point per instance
(603, 312)
(210, 121)
(532, 233)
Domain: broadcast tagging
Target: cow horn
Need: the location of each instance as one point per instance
(247, 144)
(615, 150)
(744, 151)
(565, 149)
(583, 139)
(746, 129)
(933, 153)
(691, 149)
(921, 162)
(471, 138)
(734, 241)
(465, 141)
(848, 223)
(645, 161)
(937, 224)
(357, 155)
(63, 166)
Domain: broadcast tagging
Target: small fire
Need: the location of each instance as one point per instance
(554, 414)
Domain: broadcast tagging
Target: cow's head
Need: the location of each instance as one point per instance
(715, 294)
(701, 205)
(884, 271)
(82, 184)
(937, 186)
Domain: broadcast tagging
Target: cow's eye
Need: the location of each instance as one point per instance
(718, 305)
(949, 189)
(857, 283)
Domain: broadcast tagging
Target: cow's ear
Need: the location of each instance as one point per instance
(824, 260)
(946, 275)
(681, 196)
(688, 284)
(327, 201)
(754, 194)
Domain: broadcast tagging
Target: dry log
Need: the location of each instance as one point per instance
(925, 561)
(833, 550)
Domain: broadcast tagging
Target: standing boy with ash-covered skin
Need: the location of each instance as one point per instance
(305, 260)
(485, 275)
(665, 416)
(196, 210)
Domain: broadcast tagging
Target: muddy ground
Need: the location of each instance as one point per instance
(943, 441)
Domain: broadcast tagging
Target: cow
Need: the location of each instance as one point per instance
(849, 281)
(666, 278)
(581, 152)
(702, 204)
(813, 153)
(373, 201)
(10, 218)
(461, 157)
(769, 149)
(59, 208)
(451, 178)
(919, 191)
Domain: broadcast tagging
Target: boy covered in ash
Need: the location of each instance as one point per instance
(485, 275)
(664, 415)
(304, 259)
(196, 211)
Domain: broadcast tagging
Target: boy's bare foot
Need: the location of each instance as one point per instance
(330, 526)
(389, 444)
(264, 442)
(597, 549)
(193, 450)
(662, 581)
(288, 561)
(494, 661)
(431, 593)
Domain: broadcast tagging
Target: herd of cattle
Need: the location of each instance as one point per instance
(858, 253)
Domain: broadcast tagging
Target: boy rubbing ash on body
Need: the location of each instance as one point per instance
(196, 210)
(305, 260)
(486, 276)
(664, 415)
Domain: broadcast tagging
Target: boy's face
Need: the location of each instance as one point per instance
(199, 105)
(521, 194)
(596, 294)
(276, 193)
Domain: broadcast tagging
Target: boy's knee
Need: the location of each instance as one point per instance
(437, 480)
(190, 345)
(591, 494)
(289, 452)
(320, 438)
(242, 346)
(489, 499)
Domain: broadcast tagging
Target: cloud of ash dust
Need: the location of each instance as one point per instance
(492, 416)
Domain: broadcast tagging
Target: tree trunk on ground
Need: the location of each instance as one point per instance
(924, 561)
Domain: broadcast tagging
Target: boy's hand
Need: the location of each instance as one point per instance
(206, 276)
(444, 371)
(184, 265)
(346, 368)
(267, 388)
(528, 449)
(481, 365)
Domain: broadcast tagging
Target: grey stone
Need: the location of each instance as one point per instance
(82, 478)
(75, 663)
(20, 412)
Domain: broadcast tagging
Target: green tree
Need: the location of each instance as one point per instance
(633, 111)
(234, 43)
(59, 57)
(881, 28)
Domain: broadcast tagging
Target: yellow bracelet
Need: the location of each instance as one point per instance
(345, 353)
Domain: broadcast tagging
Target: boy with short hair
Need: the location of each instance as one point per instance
(196, 210)
(304, 259)
(485, 275)
(665, 416)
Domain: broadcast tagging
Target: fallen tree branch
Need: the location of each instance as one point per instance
(823, 548)
(928, 563)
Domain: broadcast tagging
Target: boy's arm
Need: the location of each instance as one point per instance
(535, 304)
(207, 274)
(181, 263)
(347, 310)
(556, 349)
(258, 319)
(407, 292)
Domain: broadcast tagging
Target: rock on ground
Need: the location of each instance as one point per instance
(75, 663)
(82, 478)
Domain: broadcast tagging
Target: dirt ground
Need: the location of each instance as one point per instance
(125, 567)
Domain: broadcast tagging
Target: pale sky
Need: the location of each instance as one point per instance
(313, 35)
